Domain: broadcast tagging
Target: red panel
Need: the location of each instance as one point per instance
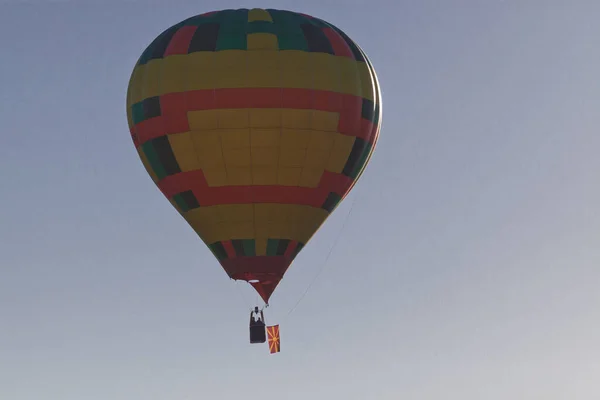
(199, 99)
(289, 252)
(367, 130)
(180, 42)
(173, 108)
(150, 129)
(266, 270)
(340, 47)
(338, 183)
(296, 98)
(327, 101)
(248, 98)
(229, 249)
(183, 181)
(248, 268)
(350, 115)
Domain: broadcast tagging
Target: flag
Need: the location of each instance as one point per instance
(273, 335)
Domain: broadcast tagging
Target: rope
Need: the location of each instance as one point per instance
(320, 271)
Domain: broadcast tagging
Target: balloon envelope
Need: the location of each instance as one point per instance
(255, 124)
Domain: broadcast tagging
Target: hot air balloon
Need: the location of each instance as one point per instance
(254, 124)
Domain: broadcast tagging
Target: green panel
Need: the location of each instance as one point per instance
(362, 161)
(218, 250)
(181, 203)
(262, 27)
(249, 247)
(153, 159)
(272, 245)
(292, 42)
(232, 42)
(137, 112)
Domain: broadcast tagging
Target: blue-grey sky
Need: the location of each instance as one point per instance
(468, 267)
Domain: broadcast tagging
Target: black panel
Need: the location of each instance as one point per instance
(151, 107)
(357, 150)
(316, 39)
(331, 201)
(368, 109)
(238, 245)
(159, 46)
(205, 38)
(190, 199)
(355, 50)
(165, 155)
(282, 246)
(219, 250)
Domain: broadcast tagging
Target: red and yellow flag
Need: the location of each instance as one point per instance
(273, 336)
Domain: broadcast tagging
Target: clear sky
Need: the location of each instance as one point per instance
(468, 267)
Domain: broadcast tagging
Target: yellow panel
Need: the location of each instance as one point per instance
(262, 41)
(289, 176)
(173, 74)
(237, 158)
(264, 78)
(281, 230)
(280, 212)
(296, 138)
(215, 176)
(316, 158)
(235, 212)
(146, 164)
(325, 121)
(295, 59)
(261, 246)
(184, 151)
(203, 216)
(367, 81)
(227, 59)
(264, 137)
(265, 156)
(199, 70)
(213, 233)
(239, 176)
(311, 177)
(262, 211)
(326, 72)
(265, 118)
(349, 77)
(235, 138)
(264, 175)
(297, 119)
(340, 153)
(241, 230)
(292, 157)
(262, 59)
(150, 84)
(206, 140)
(135, 85)
(297, 78)
(258, 14)
(203, 120)
(229, 68)
(233, 118)
(321, 140)
(231, 77)
(208, 148)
